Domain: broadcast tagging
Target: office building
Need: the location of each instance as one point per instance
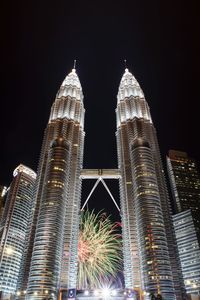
(15, 224)
(185, 184)
(151, 264)
(150, 256)
(189, 251)
(53, 266)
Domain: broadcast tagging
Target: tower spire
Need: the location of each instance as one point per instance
(125, 64)
(74, 68)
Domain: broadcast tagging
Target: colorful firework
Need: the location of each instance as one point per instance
(99, 250)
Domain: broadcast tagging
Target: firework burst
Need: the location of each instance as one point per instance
(99, 250)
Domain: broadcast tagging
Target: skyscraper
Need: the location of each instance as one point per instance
(185, 184)
(15, 224)
(55, 227)
(189, 251)
(150, 254)
(151, 265)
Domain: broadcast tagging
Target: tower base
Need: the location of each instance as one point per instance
(67, 294)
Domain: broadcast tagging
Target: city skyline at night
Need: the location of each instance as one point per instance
(56, 200)
(150, 257)
(124, 64)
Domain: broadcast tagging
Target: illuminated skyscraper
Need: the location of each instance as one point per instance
(150, 254)
(55, 228)
(15, 224)
(185, 184)
(189, 251)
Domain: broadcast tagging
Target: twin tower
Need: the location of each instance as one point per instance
(149, 249)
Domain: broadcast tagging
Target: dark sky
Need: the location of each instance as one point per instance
(40, 40)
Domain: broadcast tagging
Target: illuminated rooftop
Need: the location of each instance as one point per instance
(129, 87)
(71, 86)
(21, 168)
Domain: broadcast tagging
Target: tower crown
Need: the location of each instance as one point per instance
(129, 87)
(131, 101)
(71, 86)
(69, 100)
(22, 168)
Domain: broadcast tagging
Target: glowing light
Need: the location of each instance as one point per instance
(86, 293)
(35, 293)
(18, 293)
(96, 293)
(99, 250)
(46, 292)
(4, 190)
(114, 293)
(9, 250)
(105, 292)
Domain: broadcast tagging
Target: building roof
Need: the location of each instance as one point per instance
(129, 87)
(71, 86)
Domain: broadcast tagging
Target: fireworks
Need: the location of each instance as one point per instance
(99, 250)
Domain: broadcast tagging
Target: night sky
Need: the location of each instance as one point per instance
(39, 42)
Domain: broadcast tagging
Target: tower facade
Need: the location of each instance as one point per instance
(150, 255)
(189, 251)
(50, 258)
(53, 264)
(185, 184)
(15, 225)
